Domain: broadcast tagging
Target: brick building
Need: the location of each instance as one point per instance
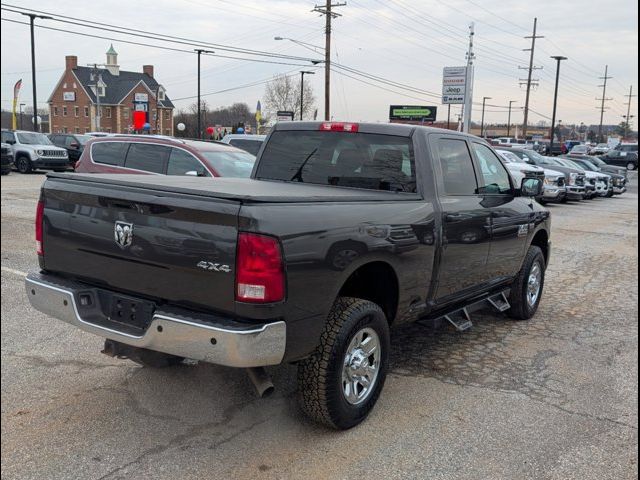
(73, 105)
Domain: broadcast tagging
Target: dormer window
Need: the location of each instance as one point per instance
(161, 96)
(101, 89)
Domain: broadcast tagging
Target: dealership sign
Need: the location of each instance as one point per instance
(412, 113)
(454, 83)
(284, 116)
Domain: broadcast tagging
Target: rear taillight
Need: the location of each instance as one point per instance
(259, 269)
(39, 220)
(339, 127)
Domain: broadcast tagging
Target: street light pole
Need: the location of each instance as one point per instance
(558, 59)
(200, 51)
(302, 73)
(511, 102)
(484, 101)
(32, 17)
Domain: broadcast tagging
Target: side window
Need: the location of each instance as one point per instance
(147, 157)
(181, 162)
(458, 174)
(109, 153)
(7, 137)
(54, 139)
(495, 179)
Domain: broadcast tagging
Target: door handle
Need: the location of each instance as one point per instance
(452, 217)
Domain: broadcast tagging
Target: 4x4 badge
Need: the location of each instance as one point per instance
(123, 233)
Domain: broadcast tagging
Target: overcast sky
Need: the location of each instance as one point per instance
(407, 41)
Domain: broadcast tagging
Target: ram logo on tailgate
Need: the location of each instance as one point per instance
(123, 233)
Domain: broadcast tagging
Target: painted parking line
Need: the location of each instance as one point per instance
(14, 271)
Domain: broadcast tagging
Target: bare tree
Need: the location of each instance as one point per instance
(283, 93)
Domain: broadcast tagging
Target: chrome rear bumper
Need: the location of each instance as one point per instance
(181, 335)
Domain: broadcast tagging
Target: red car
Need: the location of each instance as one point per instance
(151, 155)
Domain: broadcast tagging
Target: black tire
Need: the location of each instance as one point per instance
(153, 359)
(320, 380)
(632, 166)
(521, 307)
(610, 193)
(23, 164)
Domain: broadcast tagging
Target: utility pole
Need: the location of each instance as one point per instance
(511, 102)
(448, 116)
(529, 81)
(484, 101)
(32, 17)
(628, 116)
(603, 100)
(97, 77)
(558, 59)
(200, 51)
(329, 15)
(468, 97)
(302, 74)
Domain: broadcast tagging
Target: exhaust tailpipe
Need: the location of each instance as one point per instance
(261, 380)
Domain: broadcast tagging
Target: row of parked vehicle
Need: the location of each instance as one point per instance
(574, 176)
(27, 151)
(571, 177)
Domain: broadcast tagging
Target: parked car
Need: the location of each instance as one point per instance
(580, 150)
(605, 167)
(598, 184)
(618, 182)
(600, 149)
(554, 181)
(510, 141)
(7, 159)
(623, 157)
(72, 143)
(250, 143)
(33, 150)
(223, 271)
(575, 179)
(147, 154)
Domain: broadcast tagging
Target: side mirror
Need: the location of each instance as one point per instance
(531, 187)
(11, 142)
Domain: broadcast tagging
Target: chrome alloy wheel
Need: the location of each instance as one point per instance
(534, 284)
(361, 366)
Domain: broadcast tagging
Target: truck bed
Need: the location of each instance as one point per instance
(243, 190)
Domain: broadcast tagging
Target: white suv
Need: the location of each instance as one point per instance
(32, 150)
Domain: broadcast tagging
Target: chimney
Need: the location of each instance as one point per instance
(71, 61)
(148, 69)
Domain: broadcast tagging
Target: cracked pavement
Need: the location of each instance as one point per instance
(552, 398)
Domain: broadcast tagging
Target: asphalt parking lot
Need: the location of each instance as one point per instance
(552, 398)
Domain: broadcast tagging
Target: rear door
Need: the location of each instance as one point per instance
(466, 222)
(510, 215)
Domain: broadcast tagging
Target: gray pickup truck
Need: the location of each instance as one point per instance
(343, 231)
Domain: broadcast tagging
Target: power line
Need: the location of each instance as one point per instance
(152, 35)
(172, 49)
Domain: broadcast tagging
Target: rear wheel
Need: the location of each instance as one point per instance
(23, 164)
(526, 290)
(341, 381)
(632, 166)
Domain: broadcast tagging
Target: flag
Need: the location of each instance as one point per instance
(16, 94)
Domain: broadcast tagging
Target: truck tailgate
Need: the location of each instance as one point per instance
(162, 245)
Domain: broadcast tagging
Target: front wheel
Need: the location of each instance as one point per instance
(527, 288)
(341, 381)
(632, 166)
(23, 165)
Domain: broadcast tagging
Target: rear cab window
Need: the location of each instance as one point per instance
(358, 160)
(251, 146)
